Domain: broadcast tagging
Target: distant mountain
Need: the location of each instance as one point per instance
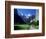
(22, 19)
(27, 20)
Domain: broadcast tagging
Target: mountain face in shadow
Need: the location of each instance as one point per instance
(21, 19)
(17, 18)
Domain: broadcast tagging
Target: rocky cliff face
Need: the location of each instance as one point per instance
(22, 18)
(17, 18)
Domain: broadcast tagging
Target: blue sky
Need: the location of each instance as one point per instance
(27, 12)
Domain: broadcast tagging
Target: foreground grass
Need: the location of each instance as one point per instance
(24, 27)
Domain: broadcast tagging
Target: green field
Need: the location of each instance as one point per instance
(33, 25)
(25, 27)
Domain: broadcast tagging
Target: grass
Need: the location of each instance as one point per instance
(27, 26)
(24, 26)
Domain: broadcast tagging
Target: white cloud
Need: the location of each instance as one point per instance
(29, 15)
